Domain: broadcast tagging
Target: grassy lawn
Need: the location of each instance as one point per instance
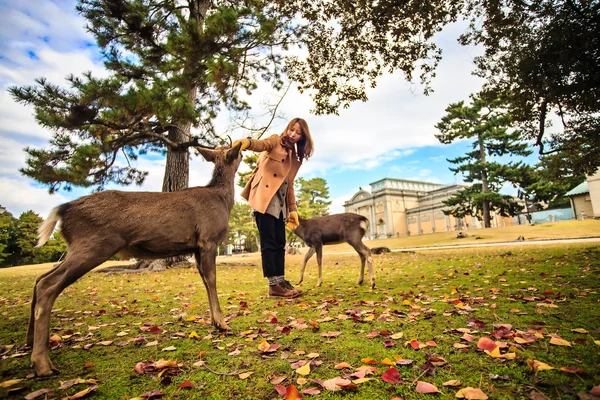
(532, 307)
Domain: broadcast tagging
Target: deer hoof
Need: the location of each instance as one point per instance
(360, 282)
(44, 368)
(319, 283)
(372, 285)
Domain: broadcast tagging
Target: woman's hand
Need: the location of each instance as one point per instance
(293, 220)
(245, 143)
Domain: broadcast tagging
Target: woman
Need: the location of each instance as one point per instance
(270, 193)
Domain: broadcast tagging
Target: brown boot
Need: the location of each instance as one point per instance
(287, 285)
(279, 291)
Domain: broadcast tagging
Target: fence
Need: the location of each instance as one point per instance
(557, 214)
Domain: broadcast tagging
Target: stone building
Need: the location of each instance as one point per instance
(400, 207)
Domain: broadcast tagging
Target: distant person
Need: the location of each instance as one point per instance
(270, 193)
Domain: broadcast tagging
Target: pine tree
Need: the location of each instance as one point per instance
(26, 237)
(487, 123)
(7, 226)
(312, 197)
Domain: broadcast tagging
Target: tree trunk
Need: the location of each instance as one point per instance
(484, 184)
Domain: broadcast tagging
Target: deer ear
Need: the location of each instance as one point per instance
(233, 153)
(209, 155)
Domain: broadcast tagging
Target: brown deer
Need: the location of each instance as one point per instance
(140, 224)
(333, 229)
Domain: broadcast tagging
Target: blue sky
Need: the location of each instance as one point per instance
(391, 135)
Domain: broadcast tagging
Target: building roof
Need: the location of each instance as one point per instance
(582, 188)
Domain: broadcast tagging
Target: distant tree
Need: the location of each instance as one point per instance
(52, 251)
(487, 123)
(469, 202)
(7, 227)
(543, 57)
(312, 196)
(242, 227)
(251, 161)
(26, 237)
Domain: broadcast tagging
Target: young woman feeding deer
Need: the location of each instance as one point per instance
(270, 193)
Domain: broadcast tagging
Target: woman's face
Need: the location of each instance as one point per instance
(295, 133)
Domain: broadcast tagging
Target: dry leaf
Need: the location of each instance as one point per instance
(470, 393)
(424, 387)
(245, 375)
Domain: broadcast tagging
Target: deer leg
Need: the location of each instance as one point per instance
(31, 327)
(365, 257)
(309, 254)
(206, 261)
(47, 289)
(319, 250)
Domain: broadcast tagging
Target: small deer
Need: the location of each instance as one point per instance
(333, 229)
(140, 224)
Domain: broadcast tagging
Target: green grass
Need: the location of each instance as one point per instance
(415, 296)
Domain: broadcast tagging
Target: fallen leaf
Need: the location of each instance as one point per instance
(470, 393)
(170, 348)
(150, 344)
(81, 394)
(304, 370)
(453, 382)
(245, 375)
(559, 342)
(67, 384)
(9, 383)
(291, 393)
(38, 393)
(369, 361)
(579, 330)
(392, 376)
(536, 365)
(485, 343)
(186, 385)
(311, 391)
(424, 387)
(343, 365)
(331, 334)
(276, 380)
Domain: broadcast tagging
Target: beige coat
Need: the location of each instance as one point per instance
(274, 164)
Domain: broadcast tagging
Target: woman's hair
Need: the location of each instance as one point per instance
(305, 145)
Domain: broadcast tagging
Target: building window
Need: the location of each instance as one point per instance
(424, 218)
(439, 216)
(412, 220)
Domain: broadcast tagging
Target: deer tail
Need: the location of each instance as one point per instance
(45, 230)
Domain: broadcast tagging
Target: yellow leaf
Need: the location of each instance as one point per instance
(538, 365)
(460, 346)
(312, 355)
(494, 353)
(264, 345)
(579, 330)
(9, 383)
(387, 361)
(397, 336)
(406, 302)
(301, 381)
(362, 380)
(559, 342)
(304, 370)
(194, 335)
(597, 342)
(170, 348)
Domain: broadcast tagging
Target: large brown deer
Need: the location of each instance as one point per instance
(333, 229)
(140, 224)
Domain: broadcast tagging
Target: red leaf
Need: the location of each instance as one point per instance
(155, 329)
(392, 376)
(280, 389)
(186, 385)
(486, 343)
(389, 343)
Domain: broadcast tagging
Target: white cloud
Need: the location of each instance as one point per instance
(18, 196)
